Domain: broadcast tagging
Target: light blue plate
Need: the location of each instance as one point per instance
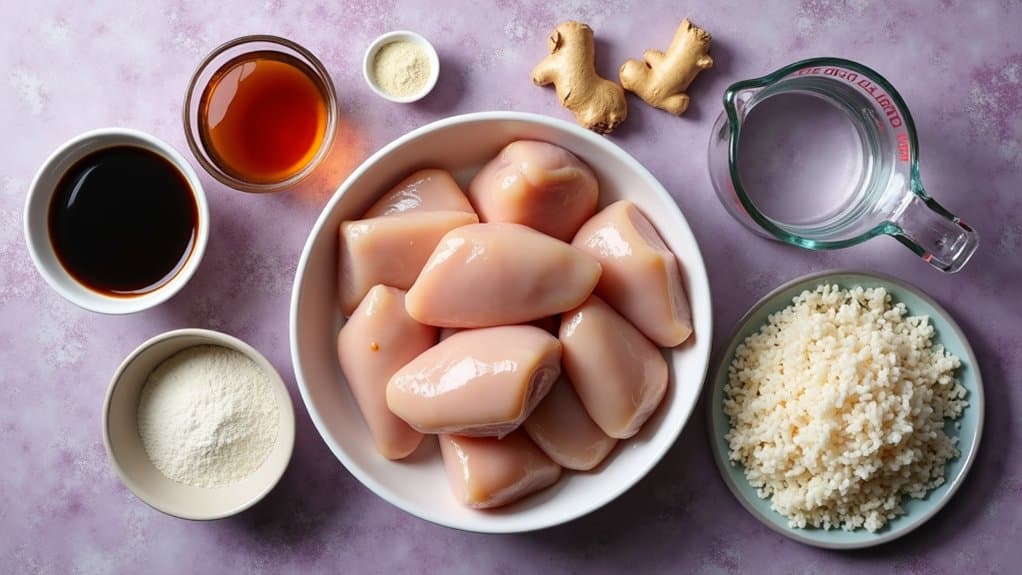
(917, 511)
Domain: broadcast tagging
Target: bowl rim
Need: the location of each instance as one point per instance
(38, 240)
(693, 261)
(395, 36)
(286, 432)
(977, 401)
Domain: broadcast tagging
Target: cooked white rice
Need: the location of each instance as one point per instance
(837, 408)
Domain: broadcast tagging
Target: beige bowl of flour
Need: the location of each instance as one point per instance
(124, 443)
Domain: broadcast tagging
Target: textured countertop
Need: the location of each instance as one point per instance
(66, 67)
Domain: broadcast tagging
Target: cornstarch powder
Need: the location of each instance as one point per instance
(401, 68)
(207, 416)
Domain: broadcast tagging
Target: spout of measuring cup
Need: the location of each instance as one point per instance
(941, 238)
(738, 99)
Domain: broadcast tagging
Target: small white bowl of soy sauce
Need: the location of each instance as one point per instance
(116, 221)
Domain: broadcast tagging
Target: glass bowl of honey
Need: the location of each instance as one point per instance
(260, 113)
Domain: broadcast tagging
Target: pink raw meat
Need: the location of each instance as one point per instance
(564, 431)
(536, 184)
(498, 274)
(641, 276)
(425, 190)
(486, 472)
(389, 250)
(619, 375)
(478, 382)
(376, 341)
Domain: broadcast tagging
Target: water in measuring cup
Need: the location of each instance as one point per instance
(801, 158)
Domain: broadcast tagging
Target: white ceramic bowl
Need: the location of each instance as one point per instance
(37, 234)
(401, 36)
(127, 454)
(418, 485)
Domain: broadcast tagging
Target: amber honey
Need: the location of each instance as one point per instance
(263, 117)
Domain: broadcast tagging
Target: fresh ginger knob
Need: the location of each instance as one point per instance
(661, 78)
(598, 103)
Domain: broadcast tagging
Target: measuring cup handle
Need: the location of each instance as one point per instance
(941, 238)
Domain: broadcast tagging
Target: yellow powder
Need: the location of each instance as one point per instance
(401, 68)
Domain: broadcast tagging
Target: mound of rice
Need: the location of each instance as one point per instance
(837, 408)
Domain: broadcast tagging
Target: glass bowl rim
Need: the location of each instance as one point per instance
(290, 48)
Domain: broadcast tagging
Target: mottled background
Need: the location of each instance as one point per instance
(69, 66)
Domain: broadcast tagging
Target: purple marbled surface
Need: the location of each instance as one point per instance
(66, 67)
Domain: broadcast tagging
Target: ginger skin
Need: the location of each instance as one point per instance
(661, 78)
(598, 103)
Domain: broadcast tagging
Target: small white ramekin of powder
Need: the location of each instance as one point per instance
(837, 408)
(401, 66)
(207, 416)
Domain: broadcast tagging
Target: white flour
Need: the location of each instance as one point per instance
(207, 416)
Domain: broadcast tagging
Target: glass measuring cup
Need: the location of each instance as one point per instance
(880, 191)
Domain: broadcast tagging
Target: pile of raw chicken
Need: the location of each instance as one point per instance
(515, 322)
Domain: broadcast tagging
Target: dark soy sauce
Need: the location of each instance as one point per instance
(123, 220)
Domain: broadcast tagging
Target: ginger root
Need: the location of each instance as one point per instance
(661, 78)
(598, 103)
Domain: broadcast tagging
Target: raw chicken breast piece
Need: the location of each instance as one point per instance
(389, 250)
(486, 472)
(429, 190)
(641, 276)
(498, 274)
(619, 375)
(378, 340)
(536, 184)
(564, 431)
(477, 382)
